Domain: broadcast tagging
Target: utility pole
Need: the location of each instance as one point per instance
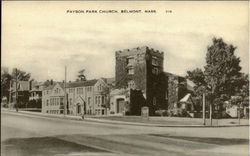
(10, 95)
(210, 113)
(239, 112)
(211, 105)
(204, 110)
(16, 93)
(65, 94)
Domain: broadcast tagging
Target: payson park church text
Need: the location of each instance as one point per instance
(140, 81)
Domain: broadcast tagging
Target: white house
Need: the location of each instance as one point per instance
(83, 97)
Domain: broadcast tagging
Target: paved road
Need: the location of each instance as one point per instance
(24, 135)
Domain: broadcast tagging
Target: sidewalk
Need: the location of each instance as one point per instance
(108, 121)
(169, 122)
(44, 115)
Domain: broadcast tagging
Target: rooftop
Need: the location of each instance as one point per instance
(81, 83)
(21, 86)
(138, 50)
(73, 84)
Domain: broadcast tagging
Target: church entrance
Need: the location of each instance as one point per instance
(78, 109)
(120, 105)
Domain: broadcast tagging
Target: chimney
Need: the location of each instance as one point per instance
(51, 82)
(30, 84)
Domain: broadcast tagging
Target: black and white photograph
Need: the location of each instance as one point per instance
(125, 78)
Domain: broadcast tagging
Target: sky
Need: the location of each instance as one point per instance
(42, 38)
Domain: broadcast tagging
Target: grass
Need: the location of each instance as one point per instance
(172, 120)
(139, 119)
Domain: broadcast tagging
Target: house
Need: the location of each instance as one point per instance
(186, 103)
(232, 111)
(49, 104)
(83, 97)
(20, 90)
(35, 98)
(88, 97)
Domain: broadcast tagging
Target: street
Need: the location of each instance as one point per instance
(24, 135)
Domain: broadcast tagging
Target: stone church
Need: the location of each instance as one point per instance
(140, 81)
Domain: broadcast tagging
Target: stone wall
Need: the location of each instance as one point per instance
(121, 69)
(152, 85)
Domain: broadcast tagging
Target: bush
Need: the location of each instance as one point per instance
(225, 115)
(183, 113)
(246, 116)
(5, 105)
(35, 104)
(161, 113)
(178, 112)
(158, 113)
(170, 113)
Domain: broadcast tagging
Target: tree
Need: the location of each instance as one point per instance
(81, 76)
(5, 84)
(21, 75)
(198, 78)
(7, 78)
(221, 78)
(244, 82)
(244, 90)
(48, 83)
(222, 70)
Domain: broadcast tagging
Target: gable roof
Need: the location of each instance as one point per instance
(81, 83)
(21, 86)
(24, 85)
(109, 80)
(186, 98)
(171, 74)
(190, 85)
(73, 84)
(121, 91)
(50, 87)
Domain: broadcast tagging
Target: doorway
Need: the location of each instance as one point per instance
(78, 109)
(120, 105)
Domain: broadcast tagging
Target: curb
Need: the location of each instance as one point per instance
(159, 125)
(45, 115)
(89, 119)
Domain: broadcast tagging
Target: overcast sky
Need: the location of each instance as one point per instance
(41, 38)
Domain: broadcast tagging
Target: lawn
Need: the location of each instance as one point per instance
(174, 120)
